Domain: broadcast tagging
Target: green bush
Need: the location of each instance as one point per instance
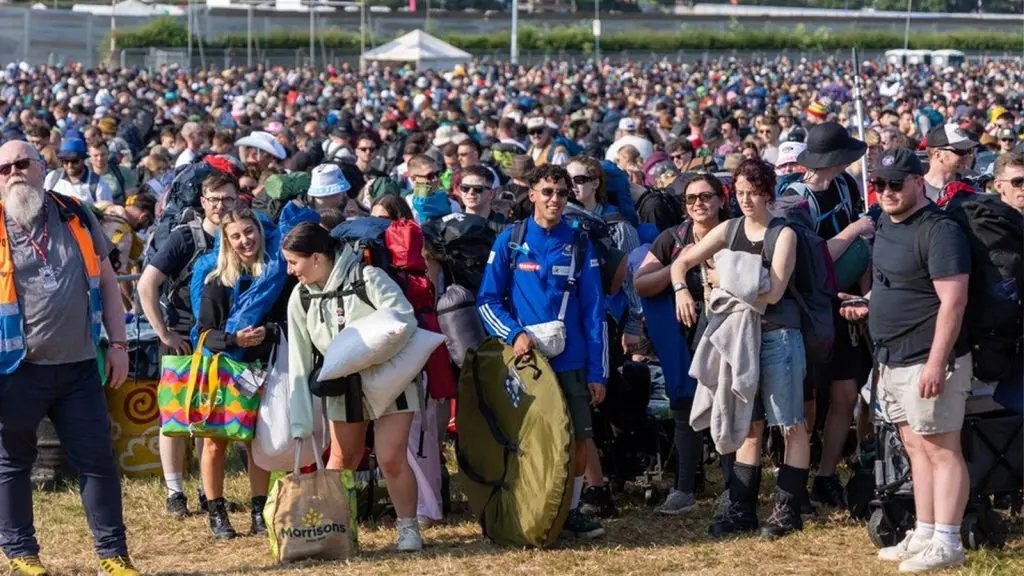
(169, 32)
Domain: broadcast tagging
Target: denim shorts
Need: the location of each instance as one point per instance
(783, 368)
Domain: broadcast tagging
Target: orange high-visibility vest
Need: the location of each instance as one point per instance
(12, 333)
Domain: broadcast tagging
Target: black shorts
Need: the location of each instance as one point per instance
(851, 357)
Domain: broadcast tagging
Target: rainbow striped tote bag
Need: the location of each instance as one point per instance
(197, 397)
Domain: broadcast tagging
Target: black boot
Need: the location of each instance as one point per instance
(790, 492)
(220, 525)
(259, 527)
(598, 501)
(741, 515)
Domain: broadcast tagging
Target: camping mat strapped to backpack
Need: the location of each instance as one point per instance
(515, 445)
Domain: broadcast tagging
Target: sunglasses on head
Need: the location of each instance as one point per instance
(1017, 182)
(881, 184)
(549, 192)
(474, 188)
(704, 197)
(957, 152)
(22, 165)
(583, 180)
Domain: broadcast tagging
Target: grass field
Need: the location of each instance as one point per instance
(639, 542)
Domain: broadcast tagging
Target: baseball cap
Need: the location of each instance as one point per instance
(1007, 134)
(627, 125)
(788, 152)
(950, 136)
(535, 122)
(897, 164)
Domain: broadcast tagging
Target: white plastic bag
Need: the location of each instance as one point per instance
(386, 381)
(273, 447)
(365, 342)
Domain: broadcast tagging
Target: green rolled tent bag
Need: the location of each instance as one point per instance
(515, 445)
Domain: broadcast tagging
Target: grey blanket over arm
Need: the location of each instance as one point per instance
(726, 363)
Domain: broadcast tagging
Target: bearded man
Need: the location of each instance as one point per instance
(57, 292)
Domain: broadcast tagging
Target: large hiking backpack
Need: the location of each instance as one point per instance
(501, 155)
(794, 185)
(390, 155)
(461, 242)
(598, 232)
(514, 446)
(397, 248)
(994, 312)
(181, 203)
(660, 208)
(814, 283)
(618, 191)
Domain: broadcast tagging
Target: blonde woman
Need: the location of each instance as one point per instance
(629, 161)
(241, 263)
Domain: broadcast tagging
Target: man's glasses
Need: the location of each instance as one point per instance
(21, 164)
(367, 148)
(881, 184)
(957, 152)
(429, 176)
(704, 197)
(583, 180)
(226, 201)
(477, 189)
(71, 161)
(549, 192)
(1017, 182)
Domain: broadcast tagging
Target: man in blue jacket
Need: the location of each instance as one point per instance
(542, 285)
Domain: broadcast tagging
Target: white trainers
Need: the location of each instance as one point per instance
(409, 535)
(909, 546)
(935, 556)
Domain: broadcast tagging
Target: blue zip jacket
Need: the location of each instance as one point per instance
(531, 293)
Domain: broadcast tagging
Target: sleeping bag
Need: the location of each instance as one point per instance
(515, 445)
(460, 322)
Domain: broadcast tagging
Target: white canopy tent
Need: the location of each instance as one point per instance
(418, 48)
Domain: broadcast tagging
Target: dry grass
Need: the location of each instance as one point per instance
(637, 543)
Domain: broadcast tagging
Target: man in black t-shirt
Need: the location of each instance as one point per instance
(922, 265)
(172, 317)
(836, 204)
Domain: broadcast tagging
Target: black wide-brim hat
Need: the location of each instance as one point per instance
(829, 145)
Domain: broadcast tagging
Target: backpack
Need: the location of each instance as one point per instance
(390, 155)
(814, 284)
(994, 312)
(597, 231)
(577, 261)
(461, 243)
(659, 208)
(501, 154)
(571, 147)
(59, 175)
(397, 248)
(618, 191)
(178, 288)
(180, 205)
(804, 191)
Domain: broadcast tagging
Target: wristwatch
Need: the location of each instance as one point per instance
(678, 286)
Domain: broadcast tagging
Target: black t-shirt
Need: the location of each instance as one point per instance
(904, 304)
(664, 249)
(829, 200)
(174, 256)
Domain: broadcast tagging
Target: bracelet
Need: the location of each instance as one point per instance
(119, 346)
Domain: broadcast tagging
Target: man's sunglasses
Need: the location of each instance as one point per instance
(582, 180)
(366, 148)
(957, 152)
(704, 197)
(71, 161)
(477, 189)
(679, 156)
(535, 132)
(881, 184)
(431, 176)
(549, 192)
(22, 165)
(1017, 182)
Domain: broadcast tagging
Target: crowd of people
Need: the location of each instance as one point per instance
(703, 174)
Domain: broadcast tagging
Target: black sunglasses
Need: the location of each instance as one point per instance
(549, 192)
(476, 189)
(71, 160)
(535, 132)
(428, 176)
(1017, 182)
(366, 148)
(22, 165)
(582, 180)
(881, 184)
(704, 197)
(957, 152)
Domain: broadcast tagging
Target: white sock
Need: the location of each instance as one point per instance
(174, 483)
(923, 530)
(948, 534)
(577, 490)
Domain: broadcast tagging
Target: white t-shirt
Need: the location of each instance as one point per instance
(90, 190)
(184, 158)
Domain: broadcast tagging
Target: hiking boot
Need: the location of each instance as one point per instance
(909, 546)
(935, 556)
(220, 525)
(828, 492)
(203, 505)
(117, 566)
(598, 501)
(721, 506)
(785, 517)
(27, 566)
(409, 539)
(736, 519)
(741, 514)
(677, 502)
(259, 526)
(580, 526)
(177, 505)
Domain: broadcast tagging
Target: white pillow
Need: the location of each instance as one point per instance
(385, 382)
(365, 342)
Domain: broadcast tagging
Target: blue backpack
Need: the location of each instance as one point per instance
(617, 189)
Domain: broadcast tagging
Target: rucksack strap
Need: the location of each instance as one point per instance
(576, 263)
(679, 235)
(516, 241)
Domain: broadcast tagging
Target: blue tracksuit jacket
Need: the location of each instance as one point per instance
(531, 293)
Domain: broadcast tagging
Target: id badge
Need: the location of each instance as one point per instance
(49, 278)
(250, 381)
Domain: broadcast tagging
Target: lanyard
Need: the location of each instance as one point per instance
(39, 248)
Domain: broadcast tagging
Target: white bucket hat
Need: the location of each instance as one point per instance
(327, 180)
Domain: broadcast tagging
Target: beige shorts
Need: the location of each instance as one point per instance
(900, 400)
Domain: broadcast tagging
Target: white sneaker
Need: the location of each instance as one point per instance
(409, 535)
(935, 556)
(676, 503)
(909, 546)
